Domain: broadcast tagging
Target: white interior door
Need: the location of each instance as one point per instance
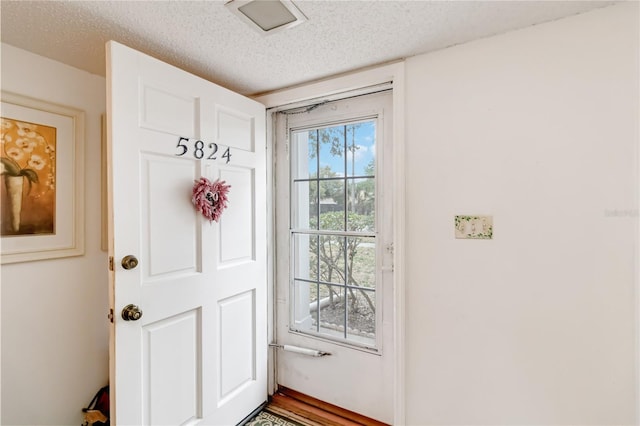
(334, 271)
(197, 355)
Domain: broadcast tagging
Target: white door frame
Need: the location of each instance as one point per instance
(328, 90)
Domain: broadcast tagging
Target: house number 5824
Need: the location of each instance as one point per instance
(201, 151)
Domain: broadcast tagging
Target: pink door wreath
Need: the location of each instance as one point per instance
(210, 198)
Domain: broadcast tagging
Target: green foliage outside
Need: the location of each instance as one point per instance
(339, 259)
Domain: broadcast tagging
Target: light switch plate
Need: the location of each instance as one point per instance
(474, 227)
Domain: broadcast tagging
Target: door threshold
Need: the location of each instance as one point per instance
(317, 411)
(253, 414)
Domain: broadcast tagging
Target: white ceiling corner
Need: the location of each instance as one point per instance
(206, 39)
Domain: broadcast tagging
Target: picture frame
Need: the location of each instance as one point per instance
(43, 147)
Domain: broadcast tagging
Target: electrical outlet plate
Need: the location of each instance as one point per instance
(474, 227)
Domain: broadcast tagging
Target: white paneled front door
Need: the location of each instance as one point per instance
(198, 353)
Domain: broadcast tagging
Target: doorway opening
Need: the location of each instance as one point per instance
(334, 250)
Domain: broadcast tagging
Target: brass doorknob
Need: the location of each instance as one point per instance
(129, 262)
(131, 313)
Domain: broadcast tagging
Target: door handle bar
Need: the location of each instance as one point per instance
(299, 350)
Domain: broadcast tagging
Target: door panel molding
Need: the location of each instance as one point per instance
(237, 359)
(161, 368)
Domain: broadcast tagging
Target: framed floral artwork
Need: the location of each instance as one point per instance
(42, 180)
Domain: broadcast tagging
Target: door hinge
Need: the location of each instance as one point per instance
(390, 251)
(390, 248)
(111, 263)
(110, 316)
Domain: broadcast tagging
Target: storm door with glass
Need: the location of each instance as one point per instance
(334, 249)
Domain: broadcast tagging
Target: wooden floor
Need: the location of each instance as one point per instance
(312, 412)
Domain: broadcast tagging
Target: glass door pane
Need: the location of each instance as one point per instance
(333, 231)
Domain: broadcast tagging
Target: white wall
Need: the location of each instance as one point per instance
(54, 313)
(538, 128)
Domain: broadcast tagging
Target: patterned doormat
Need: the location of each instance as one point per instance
(269, 418)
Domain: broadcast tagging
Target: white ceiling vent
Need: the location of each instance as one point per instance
(267, 16)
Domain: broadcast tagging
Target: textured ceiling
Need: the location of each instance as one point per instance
(204, 38)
